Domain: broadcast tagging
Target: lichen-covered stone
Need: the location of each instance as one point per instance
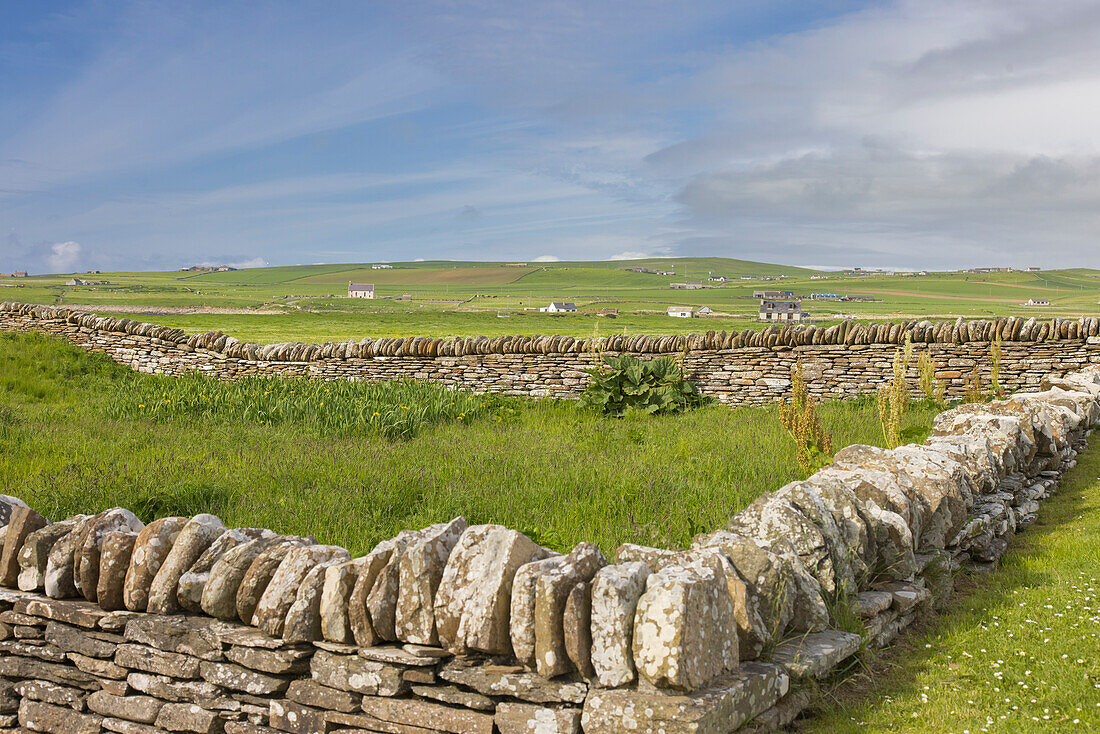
(522, 607)
(473, 599)
(577, 624)
(513, 682)
(90, 542)
(7, 506)
(528, 718)
(35, 553)
(419, 573)
(260, 572)
(115, 554)
(303, 619)
(195, 537)
(816, 655)
(59, 581)
(357, 674)
(23, 521)
(685, 632)
(427, 714)
(271, 611)
(372, 566)
(219, 593)
(150, 549)
(339, 582)
(721, 708)
(551, 594)
(381, 601)
(615, 593)
(193, 581)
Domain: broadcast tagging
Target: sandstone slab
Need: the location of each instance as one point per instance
(195, 537)
(193, 581)
(419, 572)
(615, 593)
(22, 523)
(151, 548)
(115, 554)
(271, 611)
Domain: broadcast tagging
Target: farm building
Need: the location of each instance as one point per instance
(774, 295)
(19, 274)
(1038, 302)
(825, 296)
(76, 281)
(776, 310)
(681, 312)
(685, 286)
(717, 279)
(381, 267)
(360, 290)
(704, 311)
(556, 307)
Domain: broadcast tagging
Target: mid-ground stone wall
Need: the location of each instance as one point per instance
(185, 625)
(751, 367)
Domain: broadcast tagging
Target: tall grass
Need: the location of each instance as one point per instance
(398, 409)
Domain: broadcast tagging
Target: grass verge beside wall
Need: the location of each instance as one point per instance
(548, 468)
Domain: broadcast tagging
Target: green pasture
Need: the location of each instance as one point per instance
(79, 433)
(468, 298)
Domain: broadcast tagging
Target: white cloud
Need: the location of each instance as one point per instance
(63, 256)
(630, 255)
(547, 259)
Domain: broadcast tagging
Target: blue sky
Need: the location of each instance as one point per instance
(152, 135)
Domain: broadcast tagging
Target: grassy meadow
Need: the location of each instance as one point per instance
(1016, 652)
(306, 303)
(79, 433)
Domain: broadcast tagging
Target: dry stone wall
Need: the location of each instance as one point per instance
(185, 625)
(750, 367)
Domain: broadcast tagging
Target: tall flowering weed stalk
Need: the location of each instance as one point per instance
(893, 398)
(996, 391)
(933, 390)
(800, 418)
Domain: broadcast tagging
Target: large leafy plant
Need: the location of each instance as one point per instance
(625, 383)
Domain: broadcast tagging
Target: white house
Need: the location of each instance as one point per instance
(360, 290)
(1037, 302)
(381, 267)
(781, 311)
(681, 312)
(556, 307)
(705, 310)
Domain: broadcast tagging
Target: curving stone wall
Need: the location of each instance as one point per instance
(750, 367)
(186, 625)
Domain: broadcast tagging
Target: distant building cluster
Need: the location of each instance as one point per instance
(381, 266)
(650, 271)
(16, 274)
(559, 307)
(685, 286)
(207, 269)
(81, 281)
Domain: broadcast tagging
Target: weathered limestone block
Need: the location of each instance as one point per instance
(336, 590)
(419, 573)
(86, 557)
(219, 593)
(23, 521)
(651, 557)
(195, 537)
(44, 717)
(720, 708)
(259, 574)
(577, 624)
(142, 709)
(195, 636)
(60, 583)
(171, 689)
(455, 696)
(35, 553)
(551, 594)
(381, 599)
(271, 611)
(513, 682)
(188, 717)
(37, 690)
(303, 619)
(114, 559)
(280, 661)
(522, 607)
(357, 674)
(432, 716)
(152, 660)
(473, 599)
(685, 631)
(238, 678)
(817, 654)
(615, 593)
(527, 718)
(193, 581)
(85, 642)
(310, 692)
(150, 549)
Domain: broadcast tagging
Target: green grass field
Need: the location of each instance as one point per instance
(1016, 652)
(473, 298)
(79, 433)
